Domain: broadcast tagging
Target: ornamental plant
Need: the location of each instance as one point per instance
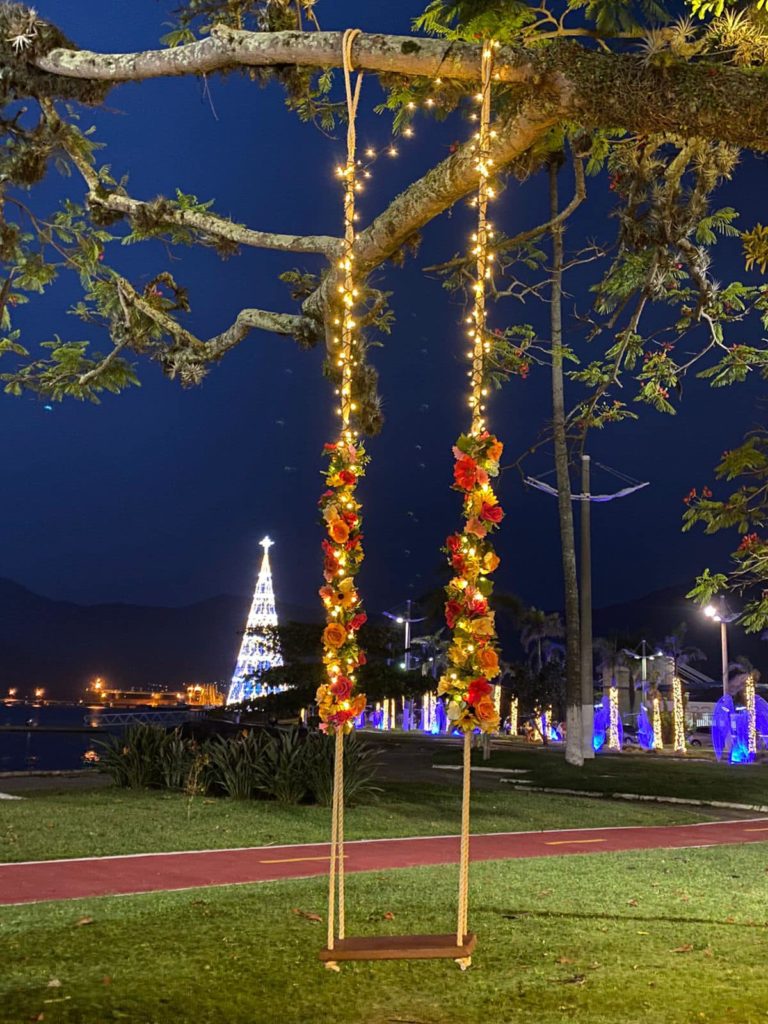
(338, 703)
(473, 657)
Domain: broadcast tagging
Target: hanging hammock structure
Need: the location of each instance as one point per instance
(632, 485)
(457, 945)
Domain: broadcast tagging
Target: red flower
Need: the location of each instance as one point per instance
(477, 606)
(453, 543)
(347, 476)
(478, 689)
(452, 611)
(361, 658)
(341, 688)
(329, 447)
(359, 620)
(350, 518)
(458, 563)
(491, 513)
(465, 473)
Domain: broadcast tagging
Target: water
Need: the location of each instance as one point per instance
(56, 737)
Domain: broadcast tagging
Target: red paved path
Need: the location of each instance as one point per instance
(35, 881)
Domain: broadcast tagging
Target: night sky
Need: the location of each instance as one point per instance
(160, 495)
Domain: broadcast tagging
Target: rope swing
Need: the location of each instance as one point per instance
(474, 653)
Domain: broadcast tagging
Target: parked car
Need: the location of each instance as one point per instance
(700, 737)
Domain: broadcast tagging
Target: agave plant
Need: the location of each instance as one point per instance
(236, 765)
(134, 759)
(359, 769)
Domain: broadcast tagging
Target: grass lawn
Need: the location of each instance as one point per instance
(677, 937)
(629, 773)
(110, 821)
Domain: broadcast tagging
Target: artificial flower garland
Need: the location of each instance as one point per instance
(473, 655)
(337, 700)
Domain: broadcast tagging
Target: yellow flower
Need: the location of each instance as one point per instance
(484, 626)
(491, 561)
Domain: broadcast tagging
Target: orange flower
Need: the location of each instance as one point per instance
(495, 451)
(334, 635)
(488, 661)
(485, 710)
(338, 531)
(475, 527)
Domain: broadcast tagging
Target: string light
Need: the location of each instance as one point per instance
(474, 648)
(658, 739)
(678, 714)
(338, 703)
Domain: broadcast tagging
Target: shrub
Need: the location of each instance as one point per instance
(235, 765)
(134, 759)
(359, 769)
(175, 760)
(283, 772)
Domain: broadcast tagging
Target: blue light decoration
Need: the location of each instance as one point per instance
(730, 730)
(644, 730)
(602, 723)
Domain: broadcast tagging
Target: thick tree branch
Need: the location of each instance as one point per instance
(226, 48)
(301, 328)
(598, 89)
(579, 195)
(441, 187)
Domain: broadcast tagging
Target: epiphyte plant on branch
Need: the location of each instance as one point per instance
(663, 104)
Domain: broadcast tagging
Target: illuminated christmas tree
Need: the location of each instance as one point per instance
(260, 649)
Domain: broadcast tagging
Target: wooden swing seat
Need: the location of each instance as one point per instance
(400, 947)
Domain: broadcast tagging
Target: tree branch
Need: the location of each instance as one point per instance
(207, 224)
(441, 187)
(598, 89)
(226, 48)
(579, 195)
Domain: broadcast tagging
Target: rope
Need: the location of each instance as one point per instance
(336, 872)
(461, 929)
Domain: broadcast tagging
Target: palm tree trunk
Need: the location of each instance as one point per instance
(573, 743)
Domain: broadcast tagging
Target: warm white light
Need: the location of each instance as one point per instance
(710, 611)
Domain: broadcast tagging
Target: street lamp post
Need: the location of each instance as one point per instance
(723, 616)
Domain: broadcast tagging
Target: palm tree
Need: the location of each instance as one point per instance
(539, 636)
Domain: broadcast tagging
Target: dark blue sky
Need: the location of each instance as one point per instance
(161, 495)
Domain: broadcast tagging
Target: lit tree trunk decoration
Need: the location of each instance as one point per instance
(678, 713)
(658, 738)
(513, 717)
(749, 696)
(613, 721)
